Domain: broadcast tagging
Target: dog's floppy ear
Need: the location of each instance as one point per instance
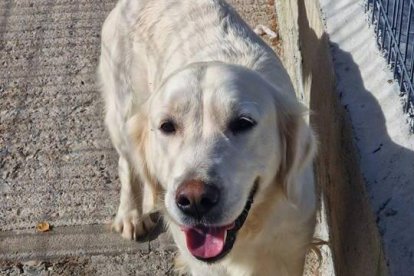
(298, 147)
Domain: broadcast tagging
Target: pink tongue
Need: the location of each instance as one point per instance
(206, 242)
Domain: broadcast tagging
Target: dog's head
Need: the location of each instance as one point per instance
(213, 137)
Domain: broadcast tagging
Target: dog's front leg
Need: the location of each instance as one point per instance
(130, 220)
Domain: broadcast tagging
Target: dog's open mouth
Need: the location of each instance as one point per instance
(211, 243)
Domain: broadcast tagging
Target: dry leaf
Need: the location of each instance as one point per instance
(43, 227)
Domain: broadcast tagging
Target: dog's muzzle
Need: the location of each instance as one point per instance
(212, 243)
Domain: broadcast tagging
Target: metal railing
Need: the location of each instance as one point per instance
(393, 21)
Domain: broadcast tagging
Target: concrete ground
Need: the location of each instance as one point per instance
(56, 161)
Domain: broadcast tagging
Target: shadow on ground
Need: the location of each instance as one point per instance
(368, 204)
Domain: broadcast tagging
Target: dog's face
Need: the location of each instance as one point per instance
(212, 141)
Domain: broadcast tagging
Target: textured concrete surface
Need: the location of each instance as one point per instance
(353, 235)
(381, 134)
(84, 250)
(74, 241)
(150, 263)
(56, 161)
(301, 29)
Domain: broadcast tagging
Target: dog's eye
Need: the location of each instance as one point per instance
(168, 127)
(241, 124)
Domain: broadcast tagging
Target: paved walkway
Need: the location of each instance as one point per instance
(56, 161)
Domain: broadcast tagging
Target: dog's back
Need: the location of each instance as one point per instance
(169, 34)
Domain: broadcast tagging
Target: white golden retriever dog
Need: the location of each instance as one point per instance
(209, 132)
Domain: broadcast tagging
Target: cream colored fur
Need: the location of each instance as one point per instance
(197, 62)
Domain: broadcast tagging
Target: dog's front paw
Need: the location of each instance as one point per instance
(132, 226)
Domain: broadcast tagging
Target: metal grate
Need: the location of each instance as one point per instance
(394, 25)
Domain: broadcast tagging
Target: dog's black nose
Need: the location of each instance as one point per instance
(195, 198)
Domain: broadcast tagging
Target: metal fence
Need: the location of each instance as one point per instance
(394, 25)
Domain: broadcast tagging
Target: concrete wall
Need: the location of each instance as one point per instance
(353, 234)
